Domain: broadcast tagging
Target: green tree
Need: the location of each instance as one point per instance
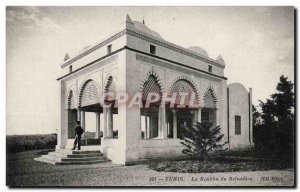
(200, 139)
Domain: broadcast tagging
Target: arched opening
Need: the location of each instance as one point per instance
(89, 111)
(209, 110)
(184, 109)
(150, 114)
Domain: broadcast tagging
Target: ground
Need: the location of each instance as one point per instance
(22, 170)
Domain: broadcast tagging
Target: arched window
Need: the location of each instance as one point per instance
(209, 110)
(149, 114)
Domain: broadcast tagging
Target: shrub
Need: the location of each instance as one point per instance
(19, 143)
(200, 139)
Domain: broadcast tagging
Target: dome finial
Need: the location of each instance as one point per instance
(220, 59)
(128, 19)
(66, 57)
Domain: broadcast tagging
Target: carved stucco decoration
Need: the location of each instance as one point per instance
(89, 94)
(151, 83)
(210, 98)
(184, 84)
(70, 100)
(110, 87)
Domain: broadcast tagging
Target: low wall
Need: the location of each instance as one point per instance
(153, 148)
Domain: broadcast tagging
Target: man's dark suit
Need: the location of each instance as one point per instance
(78, 132)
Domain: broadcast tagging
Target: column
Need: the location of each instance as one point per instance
(97, 135)
(109, 123)
(105, 122)
(78, 115)
(162, 128)
(195, 116)
(62, 134)
(159, 124)
(83, 120)
(146, 128)
(199, 115)
(83, 123)
(164, 123)
(148, 125)
(174, 124)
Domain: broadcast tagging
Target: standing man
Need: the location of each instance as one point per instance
(78, 132)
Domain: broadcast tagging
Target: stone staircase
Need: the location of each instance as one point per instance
(69, 157)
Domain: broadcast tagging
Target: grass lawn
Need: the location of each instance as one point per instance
(218, 165)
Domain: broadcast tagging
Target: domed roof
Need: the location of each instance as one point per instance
(198, 50)
(142, 27)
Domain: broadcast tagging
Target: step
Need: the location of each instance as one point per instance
(82, 159)
(58, 154)
(52, 157)
(85, 155)
(66, 155)
(69, 151)
(80, 162)
(86, 152)
(59, 157)
(45, 160)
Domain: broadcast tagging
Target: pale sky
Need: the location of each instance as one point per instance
(257, 44)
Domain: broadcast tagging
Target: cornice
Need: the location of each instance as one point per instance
(146, 38)
(105, 42)
(137, 51)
